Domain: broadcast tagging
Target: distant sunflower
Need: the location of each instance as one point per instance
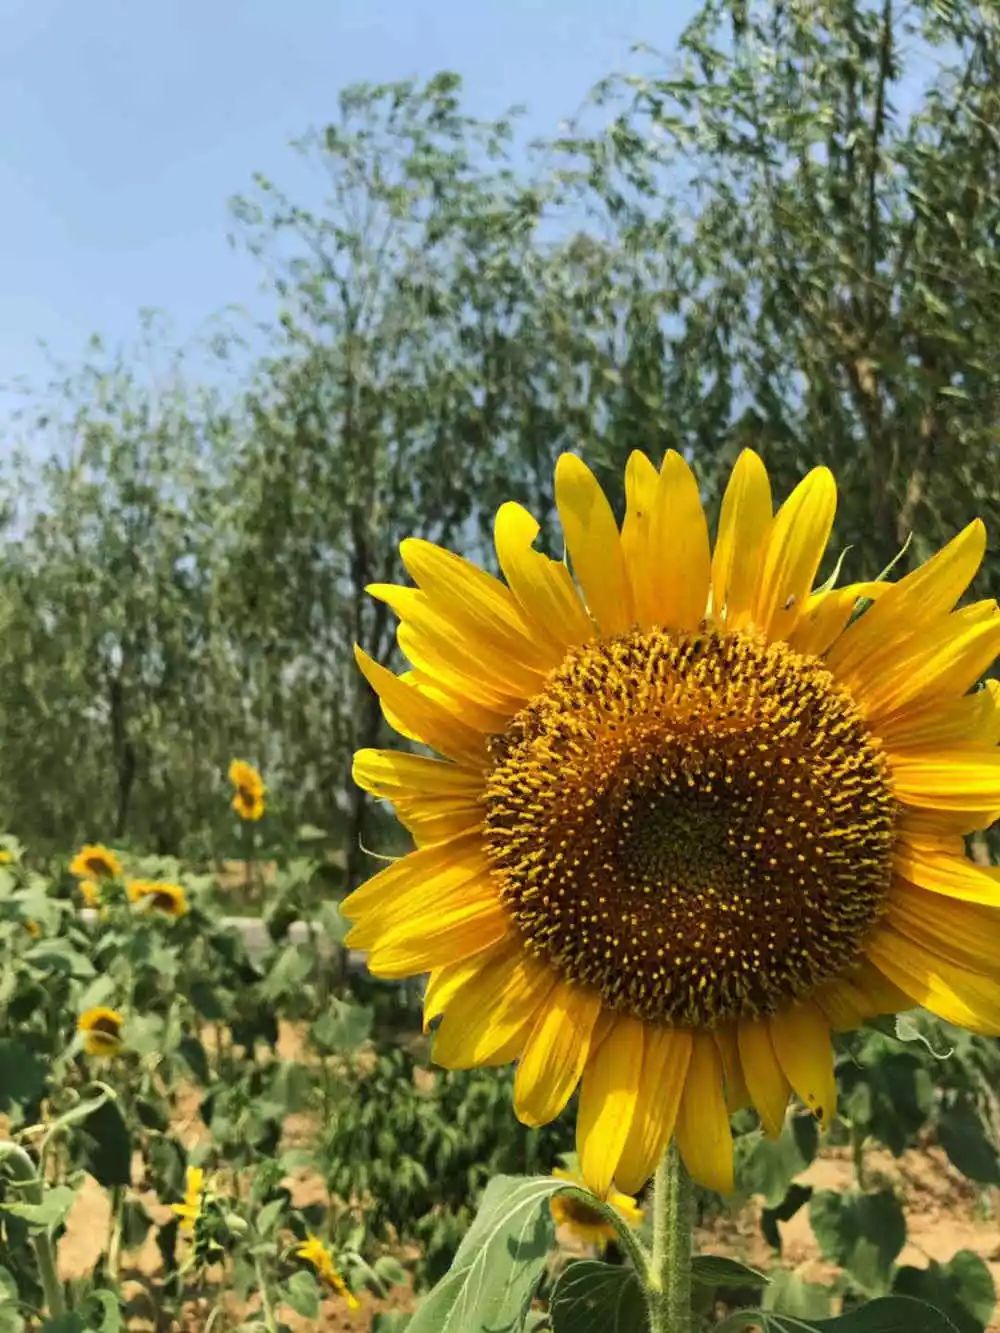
(102, 1030)
(158, 896)
(693, 813)
(248, 799)
(95, 861)
(6, 856)
(190, 1210)
(314, 1252)
(585, 1222)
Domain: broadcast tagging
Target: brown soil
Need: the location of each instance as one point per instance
(944, 1213)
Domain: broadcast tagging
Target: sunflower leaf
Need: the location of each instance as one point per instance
(594, 1297)
(499, 1262)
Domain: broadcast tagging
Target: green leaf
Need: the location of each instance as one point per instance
(290, 969)
(962, 1288)
(65, 1323)
(766, 1166)
(791, 1295)
(394, 1321)
(343, 1027)
(269, 1216)
(388, 1268)
(963, 1137)
(11, 1319)
(302, 1294)
(8, 1285)
(770, 1217)
(22, 1074)
(888, 1314)
(107, 1145)
(714, 1270)
(494, 1274)
(107, 1316)
(46, 1215)
(594, 1297)
(862, 1232)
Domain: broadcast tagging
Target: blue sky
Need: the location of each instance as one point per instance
(129, 124)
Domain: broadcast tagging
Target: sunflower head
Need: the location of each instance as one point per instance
(158, 896)
(248, 797)
(584, 1222)
(95, 861)
(693, 812)
(102, 1030)
(316, 1253)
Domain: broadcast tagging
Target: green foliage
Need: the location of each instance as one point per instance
(594, 1297)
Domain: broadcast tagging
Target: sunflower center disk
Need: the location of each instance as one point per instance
(699, 826)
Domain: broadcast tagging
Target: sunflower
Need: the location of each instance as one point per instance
(190, 1210)
(585, 1222)
(95, 861)
(102, 1030)
(158, 896)
(314, 1252)
(6, 856)
(693, 813)
(248, 799)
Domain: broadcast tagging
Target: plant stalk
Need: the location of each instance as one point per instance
(267, 1309)
(668, 1289)
(23, 1170)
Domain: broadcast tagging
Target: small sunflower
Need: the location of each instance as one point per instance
(314, 1252)
(102, 1030)
(6, 856)
(95, 861)
(90, 892)
(248, 799)
(33, 929)
(158, 896)
(585, 1222)
(693, 813)
(194, 1189)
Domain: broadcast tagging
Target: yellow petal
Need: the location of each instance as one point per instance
(422, 718)
(953, 876)
(953, 993)
(432, 938)
(456, 703)
(641, 480)
(843, 1005)
(393, 775)
(500, 684)
(942, 664)
(445, 869)
(474, 602)
(801, 1037)
(929, 592)
(974, 719)
(490, 1017)
(607, 1102)
(543, 587)
(703, 1135)
(555, 1053)
(882, 996)
(796, 542)
(765, 1079)
(678, 547)
(744, 520)
(665, 1058)
(826, 615)
(955, 779)
(737, 1092)
(594, 545)
(967, 934)
(445, 982)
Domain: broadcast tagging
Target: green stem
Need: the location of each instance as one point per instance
(23, 1170)
(668, 1290)
(115, 1239)
(267, 1309)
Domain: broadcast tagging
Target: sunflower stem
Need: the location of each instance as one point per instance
(24, 1172)
(668, 1287)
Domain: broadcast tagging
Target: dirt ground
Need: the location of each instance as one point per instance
(944, 1214)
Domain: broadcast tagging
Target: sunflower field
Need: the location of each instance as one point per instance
(500, 766)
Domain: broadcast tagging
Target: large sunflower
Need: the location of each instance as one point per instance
(692, 815)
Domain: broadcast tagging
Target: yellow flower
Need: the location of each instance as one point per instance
(158, 896)
(585, 1222)
(90, 891)
(33, 929)
(248, 799)
(95, 861)
(693, 814)
(102, 1030)
(316, 1253)
(6, 856)
(190, 1210)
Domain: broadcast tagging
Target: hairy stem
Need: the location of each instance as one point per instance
(668, 1290)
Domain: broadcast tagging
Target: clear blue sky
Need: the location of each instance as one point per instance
(127, 125)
